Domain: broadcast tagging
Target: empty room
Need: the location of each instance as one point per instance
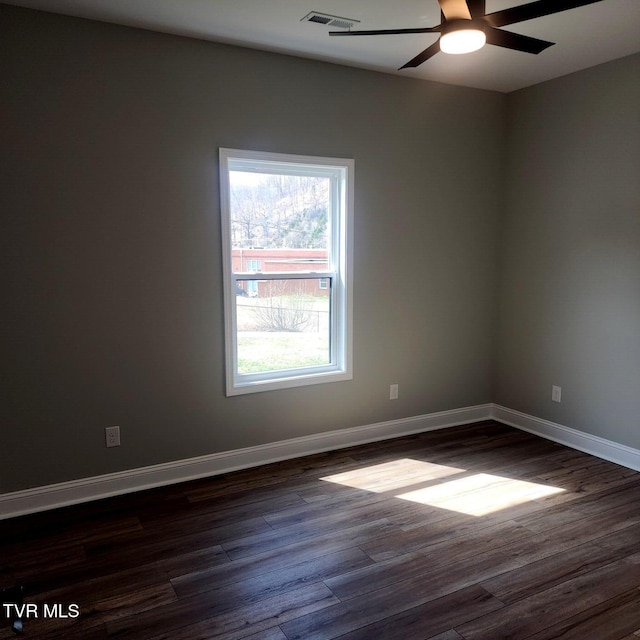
(320, 320)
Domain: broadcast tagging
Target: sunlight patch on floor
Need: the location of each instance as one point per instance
(390, 476)
(477, 495)
(480, 494)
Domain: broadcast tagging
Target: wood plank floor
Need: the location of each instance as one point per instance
(479, 532)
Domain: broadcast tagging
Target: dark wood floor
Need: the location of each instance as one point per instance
(479, 532)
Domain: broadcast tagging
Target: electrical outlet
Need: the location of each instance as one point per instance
(393, 392)
(556, 394)
(112, 436)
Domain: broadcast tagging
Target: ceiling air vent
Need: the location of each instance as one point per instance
(330, 21)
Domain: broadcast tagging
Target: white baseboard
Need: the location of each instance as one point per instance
(596, 446)
(86, 489)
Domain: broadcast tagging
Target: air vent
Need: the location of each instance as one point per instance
(330, 21)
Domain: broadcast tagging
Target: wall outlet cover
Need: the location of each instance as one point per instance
(112, 436)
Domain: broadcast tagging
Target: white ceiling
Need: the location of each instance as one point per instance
(584, 36)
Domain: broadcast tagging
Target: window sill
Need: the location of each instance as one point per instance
(256, 386)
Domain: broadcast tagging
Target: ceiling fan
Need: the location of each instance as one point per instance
(465, 26)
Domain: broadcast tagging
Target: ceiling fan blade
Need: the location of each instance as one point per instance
(429, 52)
(477, 8)
(533, 10)
(455, 9)
(383, 32)
(516, 41)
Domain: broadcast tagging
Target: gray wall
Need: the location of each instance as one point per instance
(111, 267)
(570, 259)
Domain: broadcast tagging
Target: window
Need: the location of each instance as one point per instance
(286, 244)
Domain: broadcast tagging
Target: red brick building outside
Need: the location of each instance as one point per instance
(278, 260)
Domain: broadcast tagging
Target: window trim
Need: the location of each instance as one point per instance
(339, 274)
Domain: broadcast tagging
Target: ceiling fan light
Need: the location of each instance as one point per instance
(462, 41)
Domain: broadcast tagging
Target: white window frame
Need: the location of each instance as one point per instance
(339, 271)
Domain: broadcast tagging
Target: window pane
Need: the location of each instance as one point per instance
(282, 324)
(286, 223)
(279, 222)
